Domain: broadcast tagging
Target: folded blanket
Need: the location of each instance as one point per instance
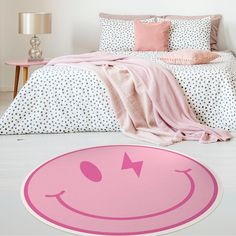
(148, 102)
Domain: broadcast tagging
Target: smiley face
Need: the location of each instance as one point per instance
(120, 190)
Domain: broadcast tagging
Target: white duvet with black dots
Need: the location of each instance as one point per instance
(63, 99)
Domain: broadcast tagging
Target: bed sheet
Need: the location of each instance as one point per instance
(63, 98)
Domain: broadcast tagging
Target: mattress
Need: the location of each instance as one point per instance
(64, 98)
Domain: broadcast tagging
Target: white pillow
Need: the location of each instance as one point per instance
(118, 35)
(189, 33)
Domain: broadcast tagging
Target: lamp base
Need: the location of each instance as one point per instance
(35, 53)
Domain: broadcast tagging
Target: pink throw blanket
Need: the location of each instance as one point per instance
(148, 102)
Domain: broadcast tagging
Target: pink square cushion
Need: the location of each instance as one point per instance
(189, 57)
(151, 36)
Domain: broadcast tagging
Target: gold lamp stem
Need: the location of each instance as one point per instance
(35, 53)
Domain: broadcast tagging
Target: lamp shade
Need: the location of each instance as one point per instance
(35, 23)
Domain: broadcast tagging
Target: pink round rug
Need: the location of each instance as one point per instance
(121, 190)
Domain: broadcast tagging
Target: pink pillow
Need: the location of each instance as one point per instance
(151, 36)
(189, 57)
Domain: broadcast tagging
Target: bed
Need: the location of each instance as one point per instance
(63, 98)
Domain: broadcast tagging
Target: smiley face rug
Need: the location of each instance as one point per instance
(121, 190)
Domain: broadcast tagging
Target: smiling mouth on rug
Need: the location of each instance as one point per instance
(59, 195)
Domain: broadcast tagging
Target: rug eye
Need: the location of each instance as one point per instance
(90, 171)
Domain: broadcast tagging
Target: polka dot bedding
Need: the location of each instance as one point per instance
(63, 98)
(196, 33)
(118, 35)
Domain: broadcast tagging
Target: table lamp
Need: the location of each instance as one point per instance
(33, 23)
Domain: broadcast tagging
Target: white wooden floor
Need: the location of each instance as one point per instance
(20, 154)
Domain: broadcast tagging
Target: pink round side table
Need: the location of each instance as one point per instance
(25, 64)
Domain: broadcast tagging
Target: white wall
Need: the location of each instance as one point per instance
(1, 40)
(76, 25)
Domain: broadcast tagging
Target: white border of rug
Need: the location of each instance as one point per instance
(200, 218)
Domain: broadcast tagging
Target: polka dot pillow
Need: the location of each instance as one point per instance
(189, 33)
(118, 35)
